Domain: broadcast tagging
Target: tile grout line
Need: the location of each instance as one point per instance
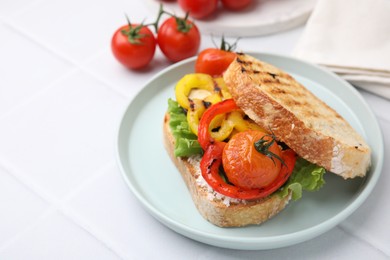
(53, 83)
(62, 56)
(76, 67)
(40, 92)
(347, 231)
(94, 231)
(82, 223)
(25, 6)
(100, 79)
(74, 220)
(47, 47)
(58, 205)
(35, 189)
(19, 234)
(26, 182)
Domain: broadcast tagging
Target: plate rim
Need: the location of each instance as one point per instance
(256, 243)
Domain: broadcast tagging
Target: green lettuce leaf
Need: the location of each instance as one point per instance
(186, 141)
(305, 177)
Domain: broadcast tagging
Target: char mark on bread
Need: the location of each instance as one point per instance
(276, 101)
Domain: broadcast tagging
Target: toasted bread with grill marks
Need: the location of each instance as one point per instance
(315, 131)
(217, 209)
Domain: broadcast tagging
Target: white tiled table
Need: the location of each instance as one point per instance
(61, 192)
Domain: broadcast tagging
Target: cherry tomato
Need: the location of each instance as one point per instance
(236, 5)
(245, 166)
(199, 9)
(213, 61)
(133, 45)
(213, 158)
(178, 38)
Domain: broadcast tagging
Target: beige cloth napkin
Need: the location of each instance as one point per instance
(352, 38)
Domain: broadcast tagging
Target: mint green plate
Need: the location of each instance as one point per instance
(157, 184)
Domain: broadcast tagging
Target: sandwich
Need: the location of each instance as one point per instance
(249, 142)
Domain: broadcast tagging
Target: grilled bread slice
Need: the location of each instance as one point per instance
(316, 132)
(216, 208)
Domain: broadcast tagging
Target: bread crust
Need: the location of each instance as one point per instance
(216, 208)
(316, 132)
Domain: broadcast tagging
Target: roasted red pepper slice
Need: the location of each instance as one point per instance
(212, 159)
(222, 107)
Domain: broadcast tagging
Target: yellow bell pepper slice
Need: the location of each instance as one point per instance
(233, 122)
(223, 88)
(190, 82)
(194, 113)
(224, 130)
(195, 92)
(241, 124)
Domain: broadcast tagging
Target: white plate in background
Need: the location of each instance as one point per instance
(263, 17)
